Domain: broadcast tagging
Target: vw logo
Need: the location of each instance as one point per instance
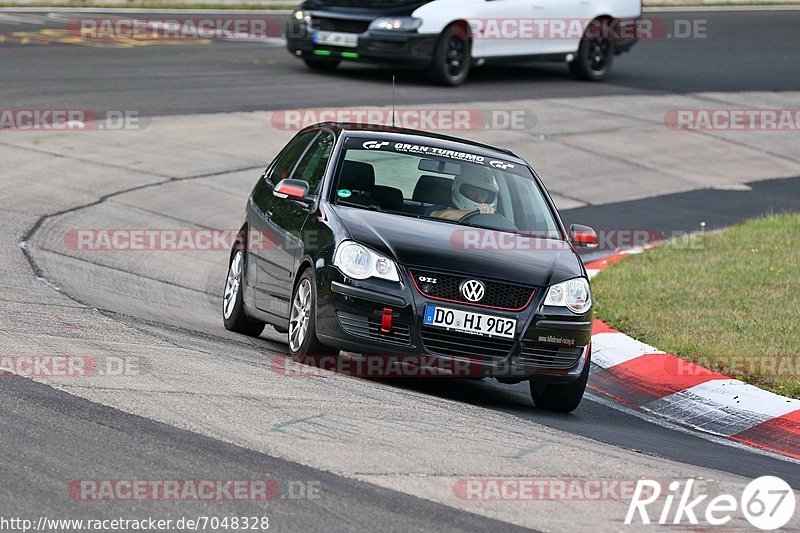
(473, 290)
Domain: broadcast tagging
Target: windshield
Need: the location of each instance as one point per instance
(445, 185)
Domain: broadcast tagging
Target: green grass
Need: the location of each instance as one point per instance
(690, 3)
(728, 301)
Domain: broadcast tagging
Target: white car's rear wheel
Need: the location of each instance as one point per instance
(452, 58)
(595, 55)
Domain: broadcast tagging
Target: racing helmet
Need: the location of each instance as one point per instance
(473, 177)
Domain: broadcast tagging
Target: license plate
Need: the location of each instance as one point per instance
(335, 38)
(469, 322)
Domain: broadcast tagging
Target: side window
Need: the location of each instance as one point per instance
(280, 169)
(312, 167)
(262, 194)
(283, 166)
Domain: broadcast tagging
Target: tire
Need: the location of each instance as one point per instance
(561, 398)
(321, 64)
(233, 315)
(452, 57)
(595, 55)
(303, 343)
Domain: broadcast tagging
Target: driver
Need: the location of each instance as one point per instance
(475, 189)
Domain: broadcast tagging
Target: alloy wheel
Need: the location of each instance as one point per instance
(456, 57)
(232, 284)
(300, 317)
(598, 50)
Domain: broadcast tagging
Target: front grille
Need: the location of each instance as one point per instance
(546, 356)
(447, 287)
(370, 328)
(342, 25)
(454, 343)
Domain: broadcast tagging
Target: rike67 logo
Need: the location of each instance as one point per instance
(768, 503)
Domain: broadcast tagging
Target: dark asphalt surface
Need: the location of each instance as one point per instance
(57, 438)
(750, 51)
(677, 214)
(684, 212)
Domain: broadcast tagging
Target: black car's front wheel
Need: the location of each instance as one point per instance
(233, 314)
(303, 342)
(562, 397)
(452, 57)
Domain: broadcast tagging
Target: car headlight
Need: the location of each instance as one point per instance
(359, 262)
(574, 294)
(301, 15)
(396, 23)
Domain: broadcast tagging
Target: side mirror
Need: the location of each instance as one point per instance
(292, 189)
(582, 236)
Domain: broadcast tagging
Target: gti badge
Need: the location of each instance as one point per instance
(473, 290)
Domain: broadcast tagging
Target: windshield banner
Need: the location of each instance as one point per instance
(364, 143)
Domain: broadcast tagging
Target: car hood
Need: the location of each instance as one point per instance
(447, 247)
(375, 8)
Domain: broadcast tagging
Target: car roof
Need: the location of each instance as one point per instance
(377, 129)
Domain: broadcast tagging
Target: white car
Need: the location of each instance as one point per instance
(448, 37)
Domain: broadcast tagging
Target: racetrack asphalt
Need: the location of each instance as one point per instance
(70, 440)
(753, 51)
(211, 404)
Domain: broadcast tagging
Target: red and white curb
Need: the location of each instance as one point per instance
(646, 378)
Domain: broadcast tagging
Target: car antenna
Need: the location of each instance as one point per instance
(394, 96)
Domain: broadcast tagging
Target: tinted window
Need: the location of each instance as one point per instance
(283, 166)
(312, 167)
(262, 194)
(280, 169)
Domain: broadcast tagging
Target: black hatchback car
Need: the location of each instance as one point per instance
(375, 240)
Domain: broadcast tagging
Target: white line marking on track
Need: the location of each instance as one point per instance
(17, 19)
(780, 7)
(142, 10)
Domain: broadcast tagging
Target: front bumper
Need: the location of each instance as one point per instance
(551, 346)
(407, 48)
